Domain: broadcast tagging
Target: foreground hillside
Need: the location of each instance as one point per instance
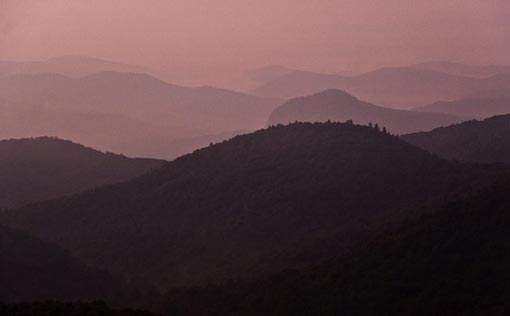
(32, 270)
(65, 309)
(42, 168)
(474, 141)
(222, 211)
(339, 106)
(454, 262)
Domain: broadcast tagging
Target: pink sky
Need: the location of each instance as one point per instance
(203, 40)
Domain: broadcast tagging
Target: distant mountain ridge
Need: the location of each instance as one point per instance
(339, 106)
(120, 111)
(268, 73)
(142, 96)
(482, 106)
(458, 69)
(107, 132)
(70, 65)
(395, 87)
(43, 168)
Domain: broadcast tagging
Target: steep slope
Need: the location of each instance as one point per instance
(31, 270)
(476, 141)
(455, 261)
(140, 96)
(42, 168)
(485, 106)
(211, 215)
(336, 105)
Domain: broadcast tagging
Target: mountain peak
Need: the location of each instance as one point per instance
(336, 94)
(339, 106)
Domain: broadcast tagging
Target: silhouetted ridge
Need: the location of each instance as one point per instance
(474, 141)
(221, 211)
(35, 169)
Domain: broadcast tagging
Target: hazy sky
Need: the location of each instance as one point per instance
(201, 39)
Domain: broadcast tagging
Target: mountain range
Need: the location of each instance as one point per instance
(465, 70)
(296, 187)
(70, 65)
(395, 87)
(142, 96)
(107, 132)
(483, 106)
(333, 206)
(119, 112)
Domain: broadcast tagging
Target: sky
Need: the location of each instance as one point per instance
(209, 41)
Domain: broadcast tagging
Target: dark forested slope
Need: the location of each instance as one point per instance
(37, 169)
(212, 215)
(52, 308)
(476, 141)
(453, 262)
(32, 270)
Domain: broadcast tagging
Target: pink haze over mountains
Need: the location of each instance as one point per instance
(214, 42)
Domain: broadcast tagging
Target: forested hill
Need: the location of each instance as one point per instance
(453, 262)
(32, 270)
(35, 169)
(213, 214)
(484, 141)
